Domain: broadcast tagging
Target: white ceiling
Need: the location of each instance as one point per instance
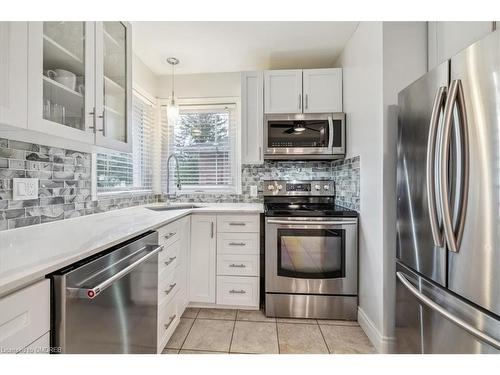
(209, 47)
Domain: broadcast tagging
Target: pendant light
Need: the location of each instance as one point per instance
(172, 106)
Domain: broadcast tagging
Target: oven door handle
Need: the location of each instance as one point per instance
(305, 222)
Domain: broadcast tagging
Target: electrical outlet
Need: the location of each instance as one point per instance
(25, 188)
(253, 191)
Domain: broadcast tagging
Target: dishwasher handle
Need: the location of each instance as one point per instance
(91, 293)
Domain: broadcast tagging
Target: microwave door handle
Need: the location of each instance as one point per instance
(439, 100)
(330, 137)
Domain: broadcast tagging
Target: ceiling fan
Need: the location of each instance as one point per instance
(300, 126)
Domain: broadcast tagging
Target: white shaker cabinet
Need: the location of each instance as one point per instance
(61, 78)
(322, 90)
(13, 73)
(252, 117)
(283, 91)
(202, 259)
(113, 85)
(79, 82)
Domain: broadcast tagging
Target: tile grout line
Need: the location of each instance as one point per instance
(324, 340)
(232, 333)
(277, 336)
(185, 338)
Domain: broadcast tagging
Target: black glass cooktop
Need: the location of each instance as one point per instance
(299, 209)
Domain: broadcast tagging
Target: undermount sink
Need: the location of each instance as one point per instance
(174, 207)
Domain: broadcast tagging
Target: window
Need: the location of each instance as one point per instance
(120, 171)
(205, 142)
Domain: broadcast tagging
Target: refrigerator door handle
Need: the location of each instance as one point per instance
(454, 235)
(439, 101)
(446, 314)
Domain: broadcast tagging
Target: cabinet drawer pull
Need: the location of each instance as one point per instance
(172, 286)
(171, 234)
(237, 266)
(170, 260)
(238, 223)
(232, 291)
(237, 244)
(170, 321)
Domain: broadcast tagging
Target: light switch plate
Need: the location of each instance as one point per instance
(253, 191)
(25, 188)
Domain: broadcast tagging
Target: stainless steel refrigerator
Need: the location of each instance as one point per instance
(448, 206)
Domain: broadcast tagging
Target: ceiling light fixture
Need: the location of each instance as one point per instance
(172, 106)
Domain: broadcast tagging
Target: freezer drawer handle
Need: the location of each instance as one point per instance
(170, 260)
(441, 310)
(91, 293)
(170, 321)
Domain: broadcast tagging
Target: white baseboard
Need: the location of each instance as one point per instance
(383, 344)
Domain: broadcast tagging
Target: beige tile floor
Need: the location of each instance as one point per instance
(219, 331)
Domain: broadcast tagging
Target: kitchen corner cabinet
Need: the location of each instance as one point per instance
(79, 81)
(252, 117)
(13, 73)
(303, 91)
(202, 259)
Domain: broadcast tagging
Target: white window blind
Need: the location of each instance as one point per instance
(204, 140)
(120, 171)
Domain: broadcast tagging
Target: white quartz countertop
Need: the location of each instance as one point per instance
(28, 254)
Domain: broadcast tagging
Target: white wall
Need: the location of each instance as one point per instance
(405, 60)
(143, 77)
(379, 60)
(448, 38)
(362, 61)
(201, 85)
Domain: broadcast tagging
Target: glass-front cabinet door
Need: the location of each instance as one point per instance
(113, 85)
(61, 79)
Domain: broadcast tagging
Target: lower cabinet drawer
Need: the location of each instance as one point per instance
(238, 265)
(169, 256)
(238, 291)
(169, 233)
(168, 285)
(238, 223)
(24, 316)
(168, 319)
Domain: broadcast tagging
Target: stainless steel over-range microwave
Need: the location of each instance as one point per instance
(304, 136)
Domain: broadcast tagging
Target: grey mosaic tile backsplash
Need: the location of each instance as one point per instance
(345, 173)
(65, 184)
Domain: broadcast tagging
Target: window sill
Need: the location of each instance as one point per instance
(108, 194)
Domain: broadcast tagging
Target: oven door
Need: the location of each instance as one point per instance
(311, 255)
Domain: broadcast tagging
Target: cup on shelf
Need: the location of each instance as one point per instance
(64, 77)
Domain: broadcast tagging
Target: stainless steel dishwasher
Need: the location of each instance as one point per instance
(108, 303)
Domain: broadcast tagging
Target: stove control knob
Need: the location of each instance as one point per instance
(280, 187)
(317, 187)
(270, 187)
(326, 187)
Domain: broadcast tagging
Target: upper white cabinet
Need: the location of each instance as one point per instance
(61, 79)
(322, 90)
(202, 259)
(283, 91)
(79, 78)
(446, 39)
(303, 91)
(113, 85)
(252, 117)
(13, 73)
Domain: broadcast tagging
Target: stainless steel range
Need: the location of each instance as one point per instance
(311, 252)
